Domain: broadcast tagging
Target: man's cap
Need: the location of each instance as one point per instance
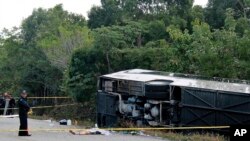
(24, 92)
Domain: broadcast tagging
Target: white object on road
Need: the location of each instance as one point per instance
(101, 131)
(49, 120)
(69, 122)
(96, 126)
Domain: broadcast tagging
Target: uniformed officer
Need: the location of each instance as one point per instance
(23, 114)
(2, 103)
(12, 105)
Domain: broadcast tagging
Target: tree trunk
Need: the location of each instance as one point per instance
(242, 4)
(139, 40)
(108, 62)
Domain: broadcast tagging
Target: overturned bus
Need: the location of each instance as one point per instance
(167, 99)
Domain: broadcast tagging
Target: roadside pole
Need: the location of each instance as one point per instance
(6, 106)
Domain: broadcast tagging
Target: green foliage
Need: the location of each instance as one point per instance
(27, 68)
(108, 14)
(119, 12)
(57, 32)
(86, 64)
(198, 13)
(216, 11)
(181, 41)
(150, 58)
(242, 26)
(156, 30)
(58, 52)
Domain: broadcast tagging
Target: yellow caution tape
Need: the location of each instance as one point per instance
(54, 106)
(56, 97)
(123, 129)
(41, 107)
(49, 97)
(37, 130)
(166, 128)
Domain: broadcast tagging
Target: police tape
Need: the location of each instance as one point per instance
(41, 107)
(55, 97)
(9, 116)
(43, 130)
(55, 106)
(167, 128)
(119, 129)
(49, 97)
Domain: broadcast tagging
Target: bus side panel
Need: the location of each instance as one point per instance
(235, 108)
(106, 110)
(202, 107)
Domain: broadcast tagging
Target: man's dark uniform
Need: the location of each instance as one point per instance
(23, 116)
(12, 105)
(2, 105)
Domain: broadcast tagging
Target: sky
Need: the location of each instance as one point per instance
(13, 12)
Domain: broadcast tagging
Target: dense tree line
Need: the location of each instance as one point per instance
(55, 52)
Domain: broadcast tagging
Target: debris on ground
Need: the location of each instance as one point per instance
(136, 133)
(65, 122)
(92, 131)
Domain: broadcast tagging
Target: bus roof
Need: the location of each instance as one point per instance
(183, 80)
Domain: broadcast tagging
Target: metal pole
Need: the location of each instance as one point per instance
(161, 112)
(6, 106)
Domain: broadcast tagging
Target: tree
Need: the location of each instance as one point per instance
(59, 52)
(230, 22)
(86, 64)
(107, 14)
(242, 26)
(198, 13)
(27, 68)
(216, 11)
(156, 30)
(57, 33)
(119, 12)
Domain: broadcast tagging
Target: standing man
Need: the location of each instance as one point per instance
(2, 104)
(23, 114)
(12, 105)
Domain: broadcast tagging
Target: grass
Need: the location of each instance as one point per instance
(80, 115)
(187, 137)
(177, 136)
(39, 117)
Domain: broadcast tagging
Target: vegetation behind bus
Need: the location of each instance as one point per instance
(55, 52)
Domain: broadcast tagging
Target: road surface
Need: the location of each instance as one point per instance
(13, 124)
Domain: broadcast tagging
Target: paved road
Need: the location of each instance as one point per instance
(13, 124)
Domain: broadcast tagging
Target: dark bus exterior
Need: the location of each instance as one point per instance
(166, 99)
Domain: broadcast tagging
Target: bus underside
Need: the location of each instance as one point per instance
(157, 103)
